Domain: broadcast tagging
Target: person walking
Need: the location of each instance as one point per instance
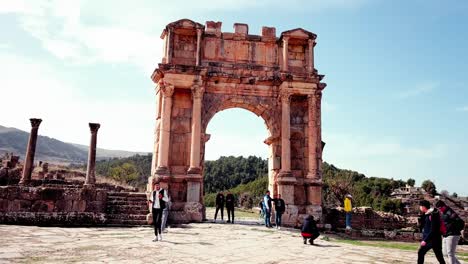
(158, 200)
(309, 230)
(219, 205)
(166, 214)
(267, 208)
(348, 208)
(432, 235)
(230, 202)
(280, 207)
(454, 225)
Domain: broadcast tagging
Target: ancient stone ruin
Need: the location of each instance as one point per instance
(49, 197)
(205, 71)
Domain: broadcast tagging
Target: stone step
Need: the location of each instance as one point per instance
(120, 222)
(128, 212)
(123, 202)
(126, 216)
(142, 206)
(130, 198)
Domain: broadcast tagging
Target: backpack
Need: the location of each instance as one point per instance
(442, 226)
(459, 224)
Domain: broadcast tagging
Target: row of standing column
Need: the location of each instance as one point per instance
(167, 91)
(313, 136)
(310, 58)
(31, 151)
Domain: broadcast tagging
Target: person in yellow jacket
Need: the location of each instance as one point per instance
(348, 208)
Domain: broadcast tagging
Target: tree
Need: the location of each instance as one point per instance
(411, 182)
(455, 195)
(429, 187)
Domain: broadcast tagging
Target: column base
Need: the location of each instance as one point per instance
(23, 183)
(194, 170)
(162, 170)
(311, 180)
(88, 185)
(282, 174)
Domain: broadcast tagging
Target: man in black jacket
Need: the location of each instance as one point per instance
(158, 200)
(219, 205)
(432, 237)
(454, 224)
(230, 202)
(280, 207)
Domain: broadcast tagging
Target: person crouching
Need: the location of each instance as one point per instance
(309, 230)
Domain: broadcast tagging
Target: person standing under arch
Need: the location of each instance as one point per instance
(230, 203)
(219, 205)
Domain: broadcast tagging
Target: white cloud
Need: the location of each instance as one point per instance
(124, 32)
(418, 89)
(35, 89)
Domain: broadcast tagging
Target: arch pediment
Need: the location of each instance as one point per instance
(298, 33)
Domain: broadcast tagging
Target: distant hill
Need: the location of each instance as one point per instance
(50, 149)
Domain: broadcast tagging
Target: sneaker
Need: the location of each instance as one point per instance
(155, 239)
(311, 241)
(305, 241)
(279, 227)
(160, 237)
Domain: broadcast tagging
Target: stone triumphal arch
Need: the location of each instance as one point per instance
(205, 71)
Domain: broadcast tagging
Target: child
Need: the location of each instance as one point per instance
(309, 230)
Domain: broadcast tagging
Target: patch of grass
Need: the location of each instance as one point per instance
(393, 245)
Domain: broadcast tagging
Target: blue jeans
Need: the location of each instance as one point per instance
(348, 219)
(267, 217)
(278, 218)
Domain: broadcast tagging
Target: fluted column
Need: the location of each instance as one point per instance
(310, 65)
(30, 151)
(167, 91)
(90, 172)
(199, 34)
(285, 53)
(197, 93)
(285, 135)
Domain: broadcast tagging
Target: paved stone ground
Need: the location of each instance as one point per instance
(194, 243)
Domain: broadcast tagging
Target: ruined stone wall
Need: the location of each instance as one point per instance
(52, 206)
(366, 218)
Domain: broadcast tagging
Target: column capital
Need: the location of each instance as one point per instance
(285, 39)
(311, 42)
(285, 96)
(94, 127)
(197, 91)
(199, 31)
(166, 88)
(35, 122)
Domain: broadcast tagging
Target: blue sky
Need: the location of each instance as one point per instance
(396, 104)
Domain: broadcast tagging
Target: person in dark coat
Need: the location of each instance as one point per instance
(230, 202)
(280, 207)
(309, 230)
(219, 205)
(432, 236)
(453, 225)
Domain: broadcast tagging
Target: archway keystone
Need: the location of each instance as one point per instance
(205, 71)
